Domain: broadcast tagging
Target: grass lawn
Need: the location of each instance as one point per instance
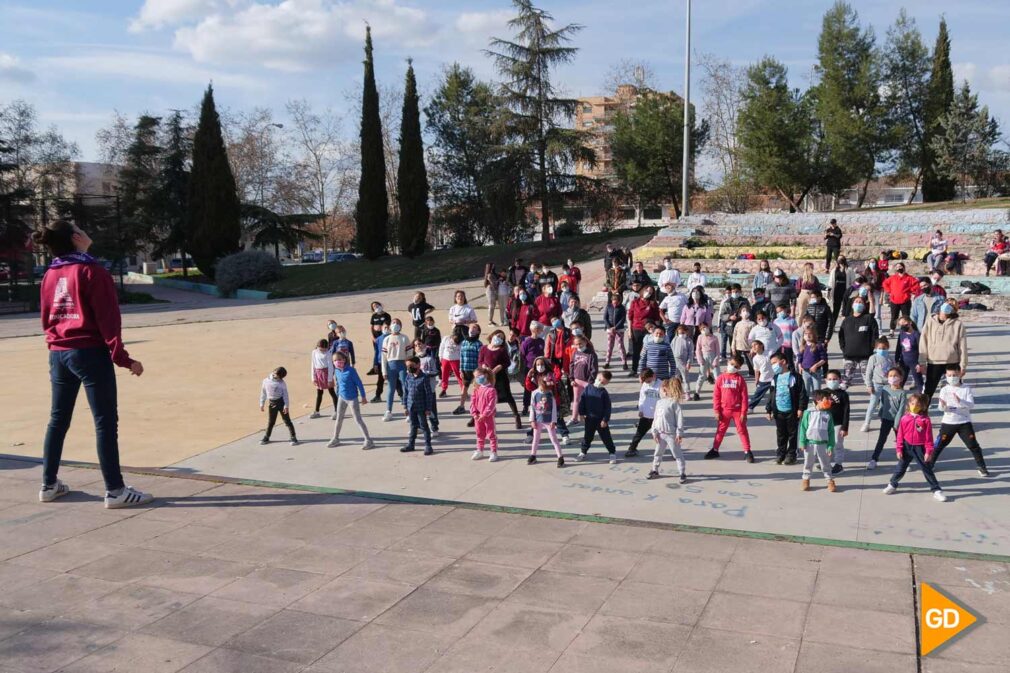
(999, 202)
(444, 266)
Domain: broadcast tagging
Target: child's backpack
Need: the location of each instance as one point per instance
(974, 287)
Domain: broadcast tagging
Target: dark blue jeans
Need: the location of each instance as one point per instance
(67, 371)
(418, 421)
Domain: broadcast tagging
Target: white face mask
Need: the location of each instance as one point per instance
(332, 326)
(600, 382)
(953, 380)
(541, 368)
(730, 369)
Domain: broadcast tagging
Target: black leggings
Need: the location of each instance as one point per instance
(637, 342)
(592, 428)
(886, 426)
(277, 407)
(643, 427)
(933, 375)
(966, 431)
(904, 309)
(501, 386)
(831, 251)
(319, 398)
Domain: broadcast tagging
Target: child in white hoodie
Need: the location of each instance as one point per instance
(321, 375)
(668, 428)
(275, 392)
(956, 403)
(683, 354)
(648, 396)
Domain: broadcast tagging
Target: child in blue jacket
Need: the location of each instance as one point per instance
(349, 389)
(594, 408)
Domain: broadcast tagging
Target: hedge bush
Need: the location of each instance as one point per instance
(242, 269)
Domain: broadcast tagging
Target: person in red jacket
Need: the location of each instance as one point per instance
(729, 402)
(643, 309)
(82, 324)
(900, 288)
(548, 306)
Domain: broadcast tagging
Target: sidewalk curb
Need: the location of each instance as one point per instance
(547, 514)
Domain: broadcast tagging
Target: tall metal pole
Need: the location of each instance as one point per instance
(685, 195)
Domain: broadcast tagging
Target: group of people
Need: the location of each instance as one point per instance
(777, 338)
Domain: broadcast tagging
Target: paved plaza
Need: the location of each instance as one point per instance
(255, 558)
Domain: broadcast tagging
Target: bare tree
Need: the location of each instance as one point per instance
(257, 156)
(41, 157)
(323, 176)
(721, 86)
(390, 102)
(113, 140)
(630, 71)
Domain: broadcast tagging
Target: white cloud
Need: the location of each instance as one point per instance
(292, 35)
(12, 70)
(483, 23)
(161, 13)
(999, 78)
(146, 66)
(964, 71)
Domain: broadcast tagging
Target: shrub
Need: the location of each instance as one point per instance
(568, 229)
(242, 269)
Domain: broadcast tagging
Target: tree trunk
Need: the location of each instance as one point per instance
(915, 187)
(277, 251)
(545, 218)
(861, 193)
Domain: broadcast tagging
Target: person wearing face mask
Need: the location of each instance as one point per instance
(521, 311)
(570, 276)
(548, 306)
(697, 277)
(696, 313)
(862, 290)
(729, 403)
(530, 350)
(740, 343)
(349, 389)
(943, 342)
(342, 343)
(781, 291)
(379, 320)
(840, 414)
(900, 288)
(556, 346)
(856, 337)
(544, 415)
(683, 355)
(877, 377)
(936, 285)
(832, 243)
(763, 277)
(761, 302)
(669, 276)
(768, 333)
(817, 308)
(956, 403)
(431, 336)
(418, 405)
(582, 369)
(729, 314)
(448, 356)
(617, 278)
(657, 355)
(331, 336)
(396, 349)
(906, 353)
(643, 309)
(764, 375)
(924, 304)
(668, 430)
(706, 353)
(594, 408)
(784, 326)
(785, 406)
(671, 309)
(640, 275)
(516, 273)
(893, 399)
(531, 383)
(482, 410)
(548, 277)
(615, 321)
(461, 313)
(841, 282)
(914, 441)
(494, 357)
(807, 282)
(574, 313)
(937, 250)
(469, 355)
(817, 437)
(321, 375)
(419, 309)
(491, 282)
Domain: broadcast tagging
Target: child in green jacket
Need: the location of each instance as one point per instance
(817, 437)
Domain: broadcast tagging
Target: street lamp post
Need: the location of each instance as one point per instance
(685, 196)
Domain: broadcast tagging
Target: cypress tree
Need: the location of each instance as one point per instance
(412, 178)
(214, 210)
(371, 214)
(936, 184)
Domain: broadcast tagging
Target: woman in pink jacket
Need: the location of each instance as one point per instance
(482, 407)
(697, 312)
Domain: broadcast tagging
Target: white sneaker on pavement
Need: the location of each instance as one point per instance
(939, 496)
(889, 490)
(613, 459)
(50, 493)
(865, 427)
(581, 457)
(477, 455)
(493, 458)
(871, 465)
(334, 443)
(128, 497)
(314, 414)
(369, 444)
(388, 416)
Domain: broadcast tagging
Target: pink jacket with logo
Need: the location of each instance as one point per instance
(730, 393)
(916, 431)
(484, 401)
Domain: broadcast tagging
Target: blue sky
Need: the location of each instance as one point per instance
(79, 61)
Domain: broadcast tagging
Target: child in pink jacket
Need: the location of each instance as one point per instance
(482, 408)
(729, 402)
(706, 352)
(915, 442)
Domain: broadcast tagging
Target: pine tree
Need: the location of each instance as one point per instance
(412, 177)
(213, 225)
(964, 140)
(140, 214)
(372, 211)
(173, 195)
(936, 184)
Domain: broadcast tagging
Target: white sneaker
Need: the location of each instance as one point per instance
(128, 497)
(434, 434)
(57, 490)
(871, 465)
(314, 414)
(939, 496)
(564, 440)
(334, 416)
(613, 459)
(334, 443)
(477, 455)
(865, 427)
(388, 416)
(369, 444)
(493, 458)
(890, 490)
(581, 457)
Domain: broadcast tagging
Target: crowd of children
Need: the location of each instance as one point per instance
(545, 345)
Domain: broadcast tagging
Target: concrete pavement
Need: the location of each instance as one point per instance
(224, 577)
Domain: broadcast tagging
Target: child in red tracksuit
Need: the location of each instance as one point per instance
(482, 408)
(730, 404)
